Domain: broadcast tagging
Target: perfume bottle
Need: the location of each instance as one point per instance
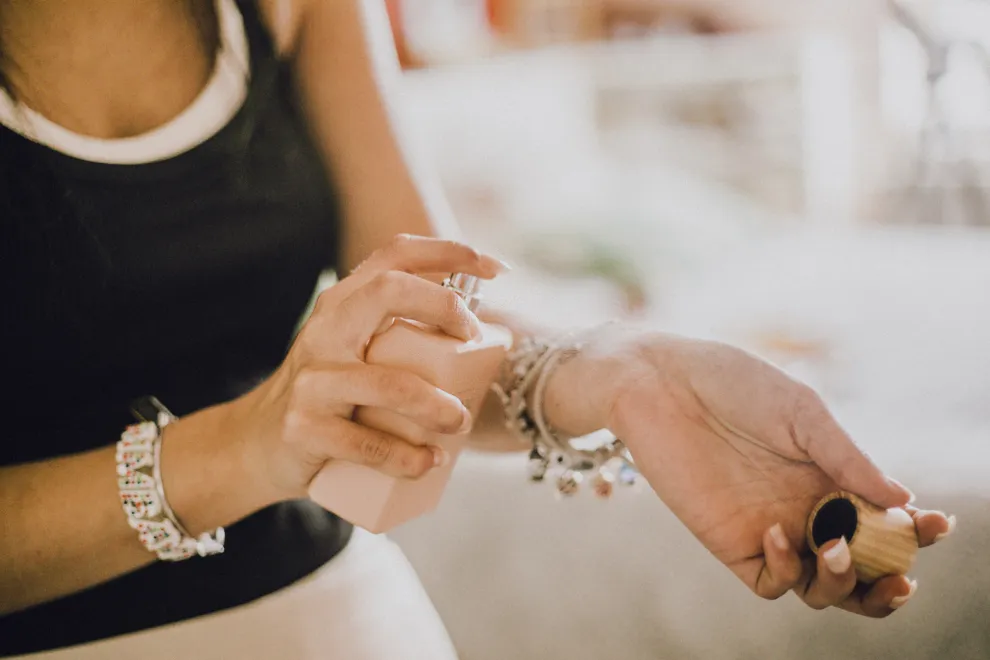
(375, 501)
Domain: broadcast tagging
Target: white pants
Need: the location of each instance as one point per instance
(365, 604)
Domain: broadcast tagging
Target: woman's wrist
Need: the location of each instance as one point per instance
(582, 391)
(206, 471)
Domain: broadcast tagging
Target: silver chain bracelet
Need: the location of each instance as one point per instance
(527, 371)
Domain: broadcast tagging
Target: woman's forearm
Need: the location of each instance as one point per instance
(63, 528)
(347, 73)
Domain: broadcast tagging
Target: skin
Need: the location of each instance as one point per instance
(732, 445)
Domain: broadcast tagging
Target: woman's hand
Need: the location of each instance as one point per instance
(740, 452)
(300, 418)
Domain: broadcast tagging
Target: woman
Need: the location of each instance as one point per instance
(175, 177)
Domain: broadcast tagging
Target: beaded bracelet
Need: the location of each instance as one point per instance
(527, 371)
(142, 494)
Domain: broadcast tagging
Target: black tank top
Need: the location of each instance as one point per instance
(182, 278)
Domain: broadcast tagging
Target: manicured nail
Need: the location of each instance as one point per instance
(466, 422)
(440, 456)
(494, 265)
(779, 538)
(899, 601)
(952, 528)
(899, 486)
(837, 558)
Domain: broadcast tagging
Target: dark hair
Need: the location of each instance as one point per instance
(4, 83)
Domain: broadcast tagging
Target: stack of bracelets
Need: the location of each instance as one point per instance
(521, 391)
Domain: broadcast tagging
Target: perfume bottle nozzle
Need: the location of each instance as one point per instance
(468, 287)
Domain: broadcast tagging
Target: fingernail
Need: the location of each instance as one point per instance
(779, 538)
(495, 265)
(440, 456)
(474, 323)
(952, 528)
(898, 485)
(505, 266)
(837, 558)
(899, 601)
(466, 422)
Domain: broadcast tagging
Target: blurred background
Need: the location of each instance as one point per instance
(805, 178)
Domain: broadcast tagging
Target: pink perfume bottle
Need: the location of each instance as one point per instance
(466, 369)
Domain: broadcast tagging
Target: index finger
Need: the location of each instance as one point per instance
(421, 254)
(837, 454)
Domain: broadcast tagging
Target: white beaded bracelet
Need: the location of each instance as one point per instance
(142, 494)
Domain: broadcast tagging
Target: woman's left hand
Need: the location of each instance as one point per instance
(741, 453)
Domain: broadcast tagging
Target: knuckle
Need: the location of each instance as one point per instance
(294, 423)
(346, 310)
(301, 390)
(814, 600)
(304, 343)
(772, 587)
(808, 404)
(316, 337)
(323, 300)
(376, 449)
(305, 381)
(396, 247)
(387, 282)
(792, 576)
(807, 412)
(414, 463)
(389, 252)
(399, 386)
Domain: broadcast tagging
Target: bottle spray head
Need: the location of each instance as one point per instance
(468, 287)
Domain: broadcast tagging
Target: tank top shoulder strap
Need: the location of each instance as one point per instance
(260, 39)
(270, 75)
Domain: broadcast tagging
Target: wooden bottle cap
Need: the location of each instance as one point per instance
(881, 541)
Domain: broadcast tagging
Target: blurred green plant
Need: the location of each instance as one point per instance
(583, 256)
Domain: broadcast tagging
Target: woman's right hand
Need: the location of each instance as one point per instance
(300, 418)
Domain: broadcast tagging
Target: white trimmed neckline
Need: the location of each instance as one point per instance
(214, 107)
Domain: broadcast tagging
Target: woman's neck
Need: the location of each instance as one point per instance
(108, 68)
